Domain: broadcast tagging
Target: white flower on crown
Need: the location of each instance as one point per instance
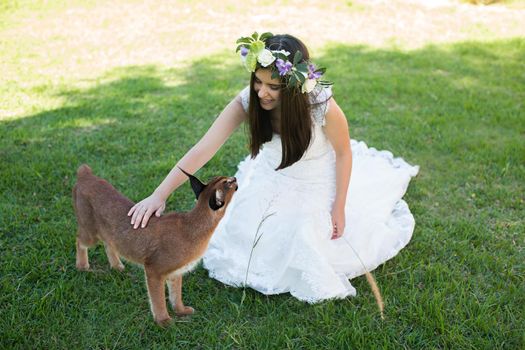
(308, 85)
(265, 58)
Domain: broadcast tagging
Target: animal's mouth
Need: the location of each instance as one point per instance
(232, 182)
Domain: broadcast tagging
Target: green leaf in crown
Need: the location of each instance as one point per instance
(251, 61)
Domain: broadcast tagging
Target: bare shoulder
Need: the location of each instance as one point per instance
(234, 110)
(336, 128)
(335, 116)
(238, 99)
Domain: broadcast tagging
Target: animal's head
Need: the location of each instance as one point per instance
(217, 193)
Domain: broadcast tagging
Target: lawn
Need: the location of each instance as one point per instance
(128, 87)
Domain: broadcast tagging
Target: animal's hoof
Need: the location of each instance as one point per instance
(82, 267)
(184, 311)
(164, 322)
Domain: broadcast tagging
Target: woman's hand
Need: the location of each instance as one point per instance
(338, 222)
(142, 211)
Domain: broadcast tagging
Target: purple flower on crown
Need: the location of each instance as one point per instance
(312, 74)
(283, 67)
(244, 51)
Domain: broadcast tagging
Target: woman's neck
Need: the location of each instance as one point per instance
(276, 113)
(276, 119)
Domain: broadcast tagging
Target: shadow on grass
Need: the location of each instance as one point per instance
(456, 110)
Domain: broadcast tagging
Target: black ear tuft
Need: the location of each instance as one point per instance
(196, 185)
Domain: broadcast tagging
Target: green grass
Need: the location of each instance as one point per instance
(454, 109)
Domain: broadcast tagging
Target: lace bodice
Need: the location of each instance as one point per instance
(318, 99)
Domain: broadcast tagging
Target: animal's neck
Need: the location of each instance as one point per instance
(204, 219)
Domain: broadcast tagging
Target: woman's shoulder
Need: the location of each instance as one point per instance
(320, 94)
(319, 98)
(244, 96)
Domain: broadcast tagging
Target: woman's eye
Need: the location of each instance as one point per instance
(275, 88)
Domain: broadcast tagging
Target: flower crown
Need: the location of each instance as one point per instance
(299, 72)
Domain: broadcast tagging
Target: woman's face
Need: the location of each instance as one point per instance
(268, 89)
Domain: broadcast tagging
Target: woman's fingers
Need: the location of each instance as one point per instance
(134, 217)
(132, 210)
(146, 217)
(337, 231)
(137, 216)
(334, 230)
(143, 210)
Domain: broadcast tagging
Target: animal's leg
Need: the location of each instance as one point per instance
(156, 295)
(86, 236)
(82, 256)
(175, 288)
(114, 260)
(84, 241)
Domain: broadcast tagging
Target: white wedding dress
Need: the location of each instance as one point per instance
(289, 211)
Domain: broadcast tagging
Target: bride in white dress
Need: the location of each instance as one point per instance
(307, 221)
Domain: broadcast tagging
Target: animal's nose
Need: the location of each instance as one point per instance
(232, 181)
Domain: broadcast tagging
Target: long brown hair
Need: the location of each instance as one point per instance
(295, 123)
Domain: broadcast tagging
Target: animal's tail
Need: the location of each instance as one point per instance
(83, 170)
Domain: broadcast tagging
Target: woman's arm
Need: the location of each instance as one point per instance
(229, 119)
(336, 129)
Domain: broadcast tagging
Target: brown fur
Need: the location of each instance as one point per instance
(167, 247)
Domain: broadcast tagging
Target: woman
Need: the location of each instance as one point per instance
(282, 231)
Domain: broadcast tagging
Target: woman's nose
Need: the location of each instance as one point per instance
(262, 92)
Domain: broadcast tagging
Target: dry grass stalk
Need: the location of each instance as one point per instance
(371, 281)
(377, 294)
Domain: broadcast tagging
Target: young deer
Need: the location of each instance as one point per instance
(169, 246)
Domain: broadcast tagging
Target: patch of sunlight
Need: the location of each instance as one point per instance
(464, 83)
(87, 125)
(9, 114)
(174, 83)
(23, 105)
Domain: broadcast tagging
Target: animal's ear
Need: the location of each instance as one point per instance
(196, 185)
